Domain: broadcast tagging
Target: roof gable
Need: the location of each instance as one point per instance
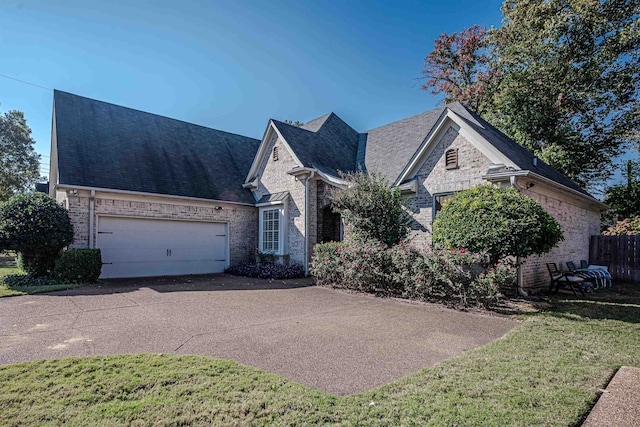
(331, 148)
(107, 146)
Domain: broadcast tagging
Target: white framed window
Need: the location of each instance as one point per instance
(272, 231)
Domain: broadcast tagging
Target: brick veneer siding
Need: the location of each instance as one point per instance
(243, 220)
(434, 178)
(578, 218)
(579, 221)
(273, 178)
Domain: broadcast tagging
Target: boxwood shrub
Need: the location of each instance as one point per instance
(454, 277)
(78, 266)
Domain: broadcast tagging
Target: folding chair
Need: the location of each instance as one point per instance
(559, 278)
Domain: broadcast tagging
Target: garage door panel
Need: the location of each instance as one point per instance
(133, 247)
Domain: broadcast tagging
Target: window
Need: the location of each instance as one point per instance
(438, 200)
(271, 230)
(451, 159)
(275, 153)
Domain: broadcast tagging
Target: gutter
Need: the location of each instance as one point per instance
(92, 208)
(141, 193)
(306, 222)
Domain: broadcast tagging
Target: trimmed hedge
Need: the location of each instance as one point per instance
(37, 227)
(454, 277)
(78, 266)
(267, 271)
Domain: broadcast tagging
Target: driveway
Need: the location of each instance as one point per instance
(332, 340)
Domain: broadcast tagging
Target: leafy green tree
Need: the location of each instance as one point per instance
(501, 221)
(371, 208)
(567, 74)
(19, 163)
(296, 123)
(624, 199)
(36, 227)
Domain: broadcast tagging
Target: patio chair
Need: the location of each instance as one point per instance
(559, 278)
(589, 283)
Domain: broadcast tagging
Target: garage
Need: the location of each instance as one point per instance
(137, 247)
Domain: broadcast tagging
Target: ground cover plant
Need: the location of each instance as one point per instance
(268, 270)
(547, 371)
(14, 282)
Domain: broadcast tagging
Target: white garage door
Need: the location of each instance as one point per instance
(133, 247)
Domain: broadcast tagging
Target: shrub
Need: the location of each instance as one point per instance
(36, 227)
(500, 221)
(455, 277)
(371, 208)
(267, 270)
(628, 226)
(78, 266)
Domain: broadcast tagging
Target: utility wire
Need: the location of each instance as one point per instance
(25, 82)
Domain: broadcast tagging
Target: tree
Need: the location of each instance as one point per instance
(501, 221)
(569, 73)
(624, 199)
(628, 226)
(459, 67)
(296, 123)
(19, 163)
(36, 227)
(371, 208)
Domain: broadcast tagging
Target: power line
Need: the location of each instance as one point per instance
(25, 82)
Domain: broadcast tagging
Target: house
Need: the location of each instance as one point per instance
(160, 196)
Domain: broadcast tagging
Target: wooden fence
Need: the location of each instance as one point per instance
(623, 252)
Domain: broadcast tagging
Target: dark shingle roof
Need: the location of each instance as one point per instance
(331, 148)
(108, 146)
(519, 155)
(390, 147)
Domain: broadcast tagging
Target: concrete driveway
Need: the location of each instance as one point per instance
(332, 340)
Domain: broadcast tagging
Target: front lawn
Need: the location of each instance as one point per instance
(547, 371)
(10, 291)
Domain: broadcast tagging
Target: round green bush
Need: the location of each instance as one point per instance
(501, 221)
(36, 227)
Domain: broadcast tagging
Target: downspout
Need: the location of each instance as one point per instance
(92, 208)
(521, 290)
(306, 223)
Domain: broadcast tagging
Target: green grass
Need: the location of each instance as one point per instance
(547, 371)
(6, 291)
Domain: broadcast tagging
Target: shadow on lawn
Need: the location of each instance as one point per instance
(621, 302)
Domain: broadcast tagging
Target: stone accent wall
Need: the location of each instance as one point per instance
(243, 220)
(434, 178)
(273, 178)
(579, 221)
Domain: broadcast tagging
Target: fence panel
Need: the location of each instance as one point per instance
(623, 252)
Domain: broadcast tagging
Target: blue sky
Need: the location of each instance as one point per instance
(229, 65)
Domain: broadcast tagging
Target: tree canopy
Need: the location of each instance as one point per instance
(19, 162)
(371, 208)
(560, 77)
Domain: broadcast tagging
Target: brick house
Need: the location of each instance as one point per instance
(160, 196)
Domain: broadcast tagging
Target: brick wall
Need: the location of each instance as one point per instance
(579, 221)
(434, 178)
(243, 220)
(273, 178)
